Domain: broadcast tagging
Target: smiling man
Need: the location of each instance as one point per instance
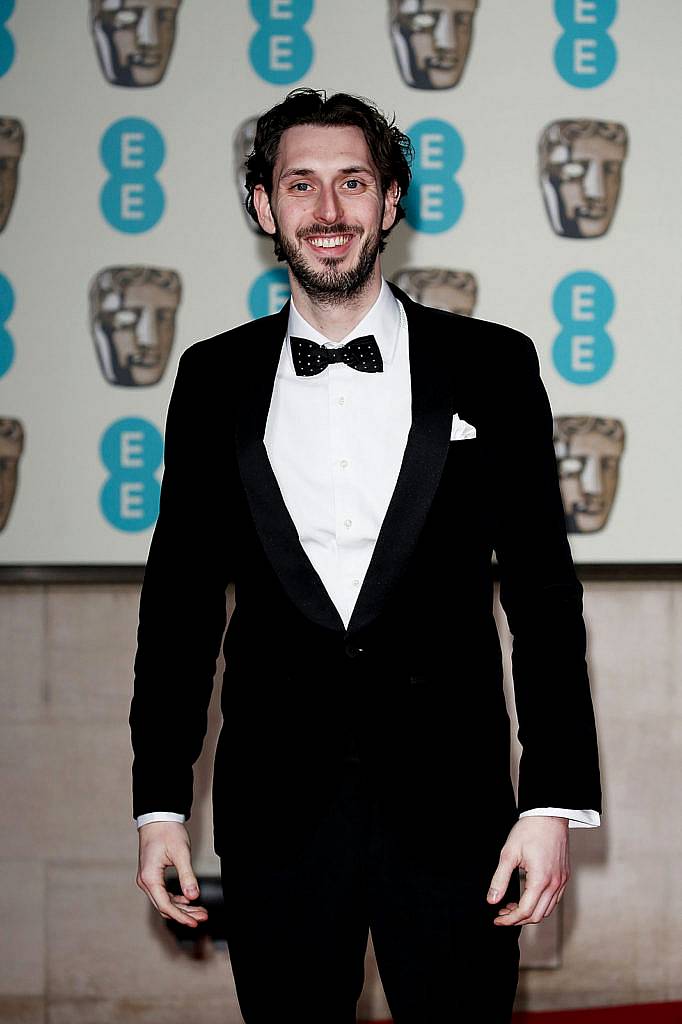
(354, 475)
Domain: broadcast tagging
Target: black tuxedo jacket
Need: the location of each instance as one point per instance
(415, 682)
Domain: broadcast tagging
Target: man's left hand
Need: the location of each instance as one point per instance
(539, 845)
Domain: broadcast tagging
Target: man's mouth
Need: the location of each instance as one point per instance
(329, 241)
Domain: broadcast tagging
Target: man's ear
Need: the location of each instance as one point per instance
(391, 200)
(261, 202)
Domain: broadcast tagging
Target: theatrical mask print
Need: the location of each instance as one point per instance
(11, 447)
(132, 318)
(588, 452)
(580, 165)
(452, 290)
(133, 39)
(431, 40)
(11, 148)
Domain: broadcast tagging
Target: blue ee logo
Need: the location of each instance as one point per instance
(7, 49)
(6, 308)
(583, 304)
(281, 51)
(131, 449)
(585, 54)
(435, 201)
(132, 150)
(268, 293)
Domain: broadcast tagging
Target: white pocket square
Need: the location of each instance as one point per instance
(461, 430)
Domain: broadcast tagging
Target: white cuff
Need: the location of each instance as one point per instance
(145, 819)
(576, 819)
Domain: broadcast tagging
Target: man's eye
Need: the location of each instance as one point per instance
(354, 183)
(301, 186)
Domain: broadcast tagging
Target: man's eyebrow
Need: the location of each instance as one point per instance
(303, 172)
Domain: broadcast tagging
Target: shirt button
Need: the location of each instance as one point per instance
(341, 400)
(356, 583)
(343, 463)
(348, 523)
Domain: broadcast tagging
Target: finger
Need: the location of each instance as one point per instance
(556, 899)
(508, 908)
(167, 908)
(500, 880)
(186, 876)
(523, 912)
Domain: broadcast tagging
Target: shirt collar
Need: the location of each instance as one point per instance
(383, 320)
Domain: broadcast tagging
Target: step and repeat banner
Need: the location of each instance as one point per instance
(545, 196)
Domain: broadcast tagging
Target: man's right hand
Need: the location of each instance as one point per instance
(166, 844)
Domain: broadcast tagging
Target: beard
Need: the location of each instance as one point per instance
(330, 285)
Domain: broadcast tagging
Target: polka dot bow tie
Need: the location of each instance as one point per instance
(361, 354)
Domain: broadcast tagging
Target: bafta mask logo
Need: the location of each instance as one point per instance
(453, 290)
(132, 317)
(134, 39)
(11, 447)
(242, 145)
(588, 451)
(431, 40)
(581, 164)
(11, 148)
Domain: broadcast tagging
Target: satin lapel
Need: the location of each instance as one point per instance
(275, 526)
(422, 466)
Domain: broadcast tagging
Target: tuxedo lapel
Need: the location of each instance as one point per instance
(273, 522)
(420, 472)
(423, 462)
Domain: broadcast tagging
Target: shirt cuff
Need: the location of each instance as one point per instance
(576, 819)
(145, 819)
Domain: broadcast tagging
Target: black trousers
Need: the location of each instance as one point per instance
(297, 930)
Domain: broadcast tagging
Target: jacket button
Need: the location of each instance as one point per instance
(352, 651)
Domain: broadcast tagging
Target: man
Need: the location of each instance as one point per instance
(361, 463)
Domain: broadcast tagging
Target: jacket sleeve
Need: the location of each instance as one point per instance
(541, 595)
(182, 610)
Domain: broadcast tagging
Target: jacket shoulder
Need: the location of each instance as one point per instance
(225, 346)
(486, 345)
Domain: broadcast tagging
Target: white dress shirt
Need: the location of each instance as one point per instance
(335, 441)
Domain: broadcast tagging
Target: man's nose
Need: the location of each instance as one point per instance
(147, 28)
(328, 207)
(593, 183)
(445, 32)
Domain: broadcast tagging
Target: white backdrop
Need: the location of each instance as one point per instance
(57, 238)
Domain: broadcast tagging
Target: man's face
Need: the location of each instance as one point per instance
(134, 326)
(327, 210)
(11, 446)
(431, 40)
(588, 474)
(11, 148)
(581, 180)
(454, 291)
(134, 39)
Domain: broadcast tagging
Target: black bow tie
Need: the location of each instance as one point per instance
(361, 354)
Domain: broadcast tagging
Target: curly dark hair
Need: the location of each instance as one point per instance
(390, 149)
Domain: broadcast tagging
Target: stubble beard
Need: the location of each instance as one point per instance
(330, 286)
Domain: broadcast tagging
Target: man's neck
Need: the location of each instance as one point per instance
(336, 320)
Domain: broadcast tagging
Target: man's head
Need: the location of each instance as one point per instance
(11, 148)
(11, 447)
(134, 38)
(132, 316)
(454, 290)
(588, 451)
(325, 179)
(580, 173)
(431, 40)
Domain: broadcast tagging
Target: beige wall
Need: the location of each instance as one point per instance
(79, 942)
